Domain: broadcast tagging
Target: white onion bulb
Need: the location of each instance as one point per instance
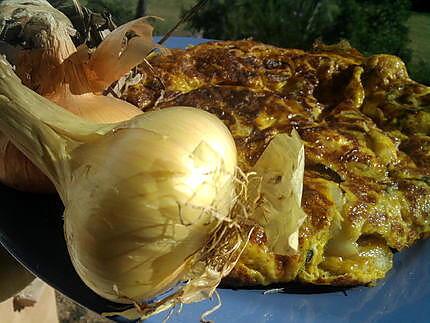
(167, 183)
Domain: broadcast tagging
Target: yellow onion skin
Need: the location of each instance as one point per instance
(139, 209)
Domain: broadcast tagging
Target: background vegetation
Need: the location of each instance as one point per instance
(399, 27)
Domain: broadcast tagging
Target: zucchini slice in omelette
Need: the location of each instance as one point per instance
(365, 125)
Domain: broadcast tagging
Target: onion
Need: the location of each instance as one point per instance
(277, 189)
(55, 68)
(147, 201)
(152, 204)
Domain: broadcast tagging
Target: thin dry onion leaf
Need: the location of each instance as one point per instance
(277, 191)
(123, 49)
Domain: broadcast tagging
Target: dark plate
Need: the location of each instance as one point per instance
(31, 228)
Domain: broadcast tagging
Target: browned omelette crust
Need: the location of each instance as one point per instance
(366, 129)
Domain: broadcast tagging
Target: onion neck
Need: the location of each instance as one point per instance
(43, 131)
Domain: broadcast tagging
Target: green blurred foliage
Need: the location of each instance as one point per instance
(122, 11)
(420, 72)
(373, 26)
(280, 22)
(126, 10)
(419, 67)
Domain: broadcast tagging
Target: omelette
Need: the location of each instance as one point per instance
(365, 126)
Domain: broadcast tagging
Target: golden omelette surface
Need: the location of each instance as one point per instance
(366, 129)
